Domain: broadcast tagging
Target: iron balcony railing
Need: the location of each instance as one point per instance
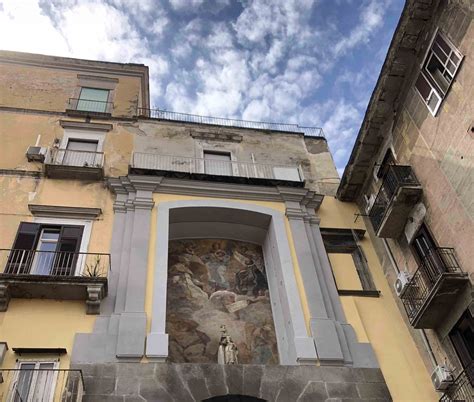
(89, 106)
(54, 263)
(436, 263)
(395, 176)
(220, 121)
(56, 385)
(192, 165)
(68, 157)
(462, 389)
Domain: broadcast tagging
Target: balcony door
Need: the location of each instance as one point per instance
(35, 381)
(81, 153)
(424, 248)
(217, 163)
(462, 337)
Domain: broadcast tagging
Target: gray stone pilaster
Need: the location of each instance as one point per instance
(323, 328)
(120, 211)
(132, 324)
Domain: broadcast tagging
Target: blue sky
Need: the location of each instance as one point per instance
(314, 63)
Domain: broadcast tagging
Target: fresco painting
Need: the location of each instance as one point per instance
(213, 283)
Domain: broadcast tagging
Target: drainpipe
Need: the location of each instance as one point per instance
(422, 332)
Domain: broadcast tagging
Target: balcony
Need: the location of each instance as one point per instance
(462, 389)
(54, 275)
(71, 164)
(436, 288)
(399, 192)
(216, 170)
(42, 384)
(88, 107)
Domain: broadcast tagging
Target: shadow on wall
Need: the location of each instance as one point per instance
(213, 283)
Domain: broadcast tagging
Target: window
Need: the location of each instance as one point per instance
(81, 152)
(350, 268)
(35, 381)
(462, 337)
(43, 249)
(93, 100)
(218, 163)
(437, 74)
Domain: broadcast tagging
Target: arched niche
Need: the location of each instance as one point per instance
(203, 219)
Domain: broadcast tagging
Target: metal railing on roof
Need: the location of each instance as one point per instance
(220, 121)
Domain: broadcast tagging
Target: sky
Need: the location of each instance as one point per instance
(310, 62)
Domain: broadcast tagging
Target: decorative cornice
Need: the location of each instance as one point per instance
(160, 184)
(96, 78)
(85, 126)
(215, 136)
(54, 211)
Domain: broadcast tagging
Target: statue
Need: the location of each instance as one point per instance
(227, 352)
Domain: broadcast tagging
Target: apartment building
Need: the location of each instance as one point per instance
(411, 173)
(145, 251)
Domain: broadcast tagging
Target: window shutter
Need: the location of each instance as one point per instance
(21, 255)
(26, 236)
(68, 246)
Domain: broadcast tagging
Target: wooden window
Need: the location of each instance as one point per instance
(350, 269)
(44, 249)
(35, 381)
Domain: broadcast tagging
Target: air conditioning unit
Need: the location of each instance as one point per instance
(401, 284)
(36, 154)
(442, 377)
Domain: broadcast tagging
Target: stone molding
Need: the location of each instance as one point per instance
(54, 211)
(160, 184)
(97, 78)
(80, 125)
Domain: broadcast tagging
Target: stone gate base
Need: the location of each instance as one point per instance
(163, 382)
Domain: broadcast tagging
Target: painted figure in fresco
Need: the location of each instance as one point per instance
(250, 280)
(227, 352)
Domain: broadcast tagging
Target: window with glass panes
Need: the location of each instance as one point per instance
(439, 69)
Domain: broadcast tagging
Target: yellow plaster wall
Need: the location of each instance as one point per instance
(17, 192)
(378, 320)
(19, 131)
(345, 272)
(42, 88)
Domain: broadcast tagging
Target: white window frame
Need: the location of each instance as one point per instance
(37, 364)
(86, 234)
(83, 135)
(435, 90)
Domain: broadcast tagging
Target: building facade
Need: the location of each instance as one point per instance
(411, 173)
(136, 241)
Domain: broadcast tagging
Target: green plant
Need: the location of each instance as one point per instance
(93, 269)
